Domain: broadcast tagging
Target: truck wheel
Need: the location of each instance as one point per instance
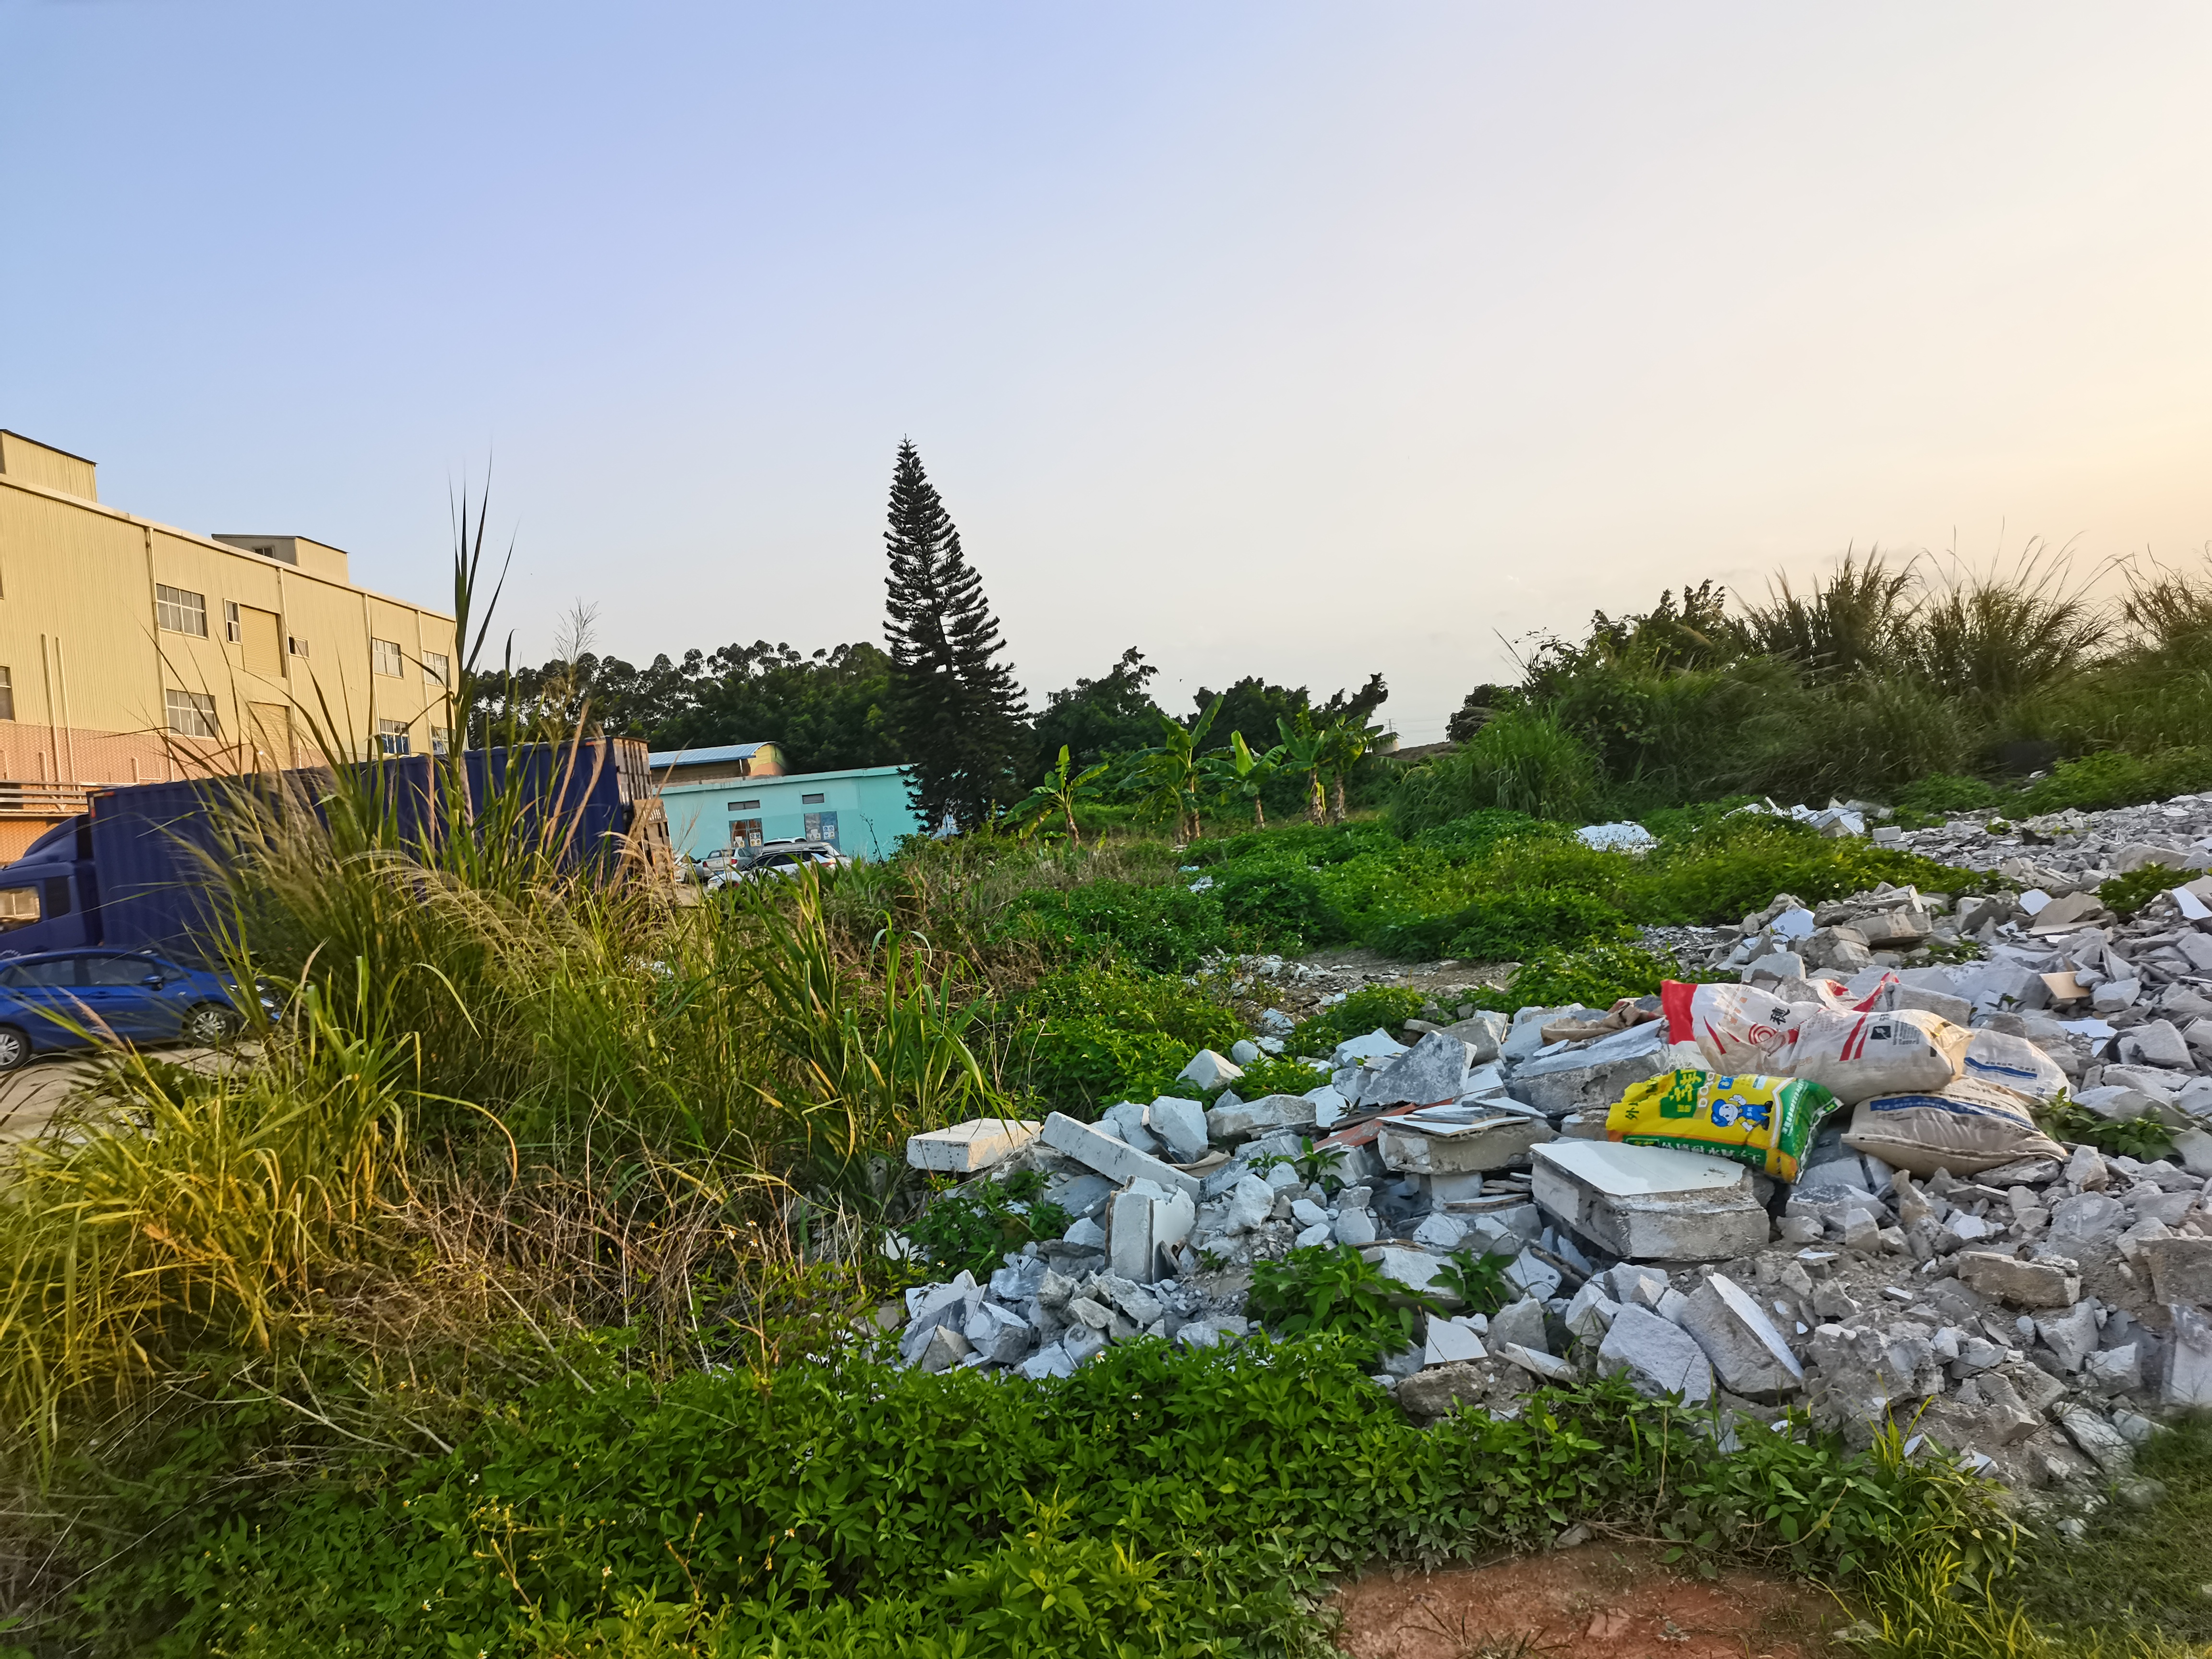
(14, 1050)
(210, 1023)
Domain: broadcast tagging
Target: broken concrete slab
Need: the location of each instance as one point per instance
(2051, 1283)
(1521, 1321)
(1145, 1222)
(1207, 1069)
(1116, 1160)
(1431, 1072)
(1748, 1352)
(1649, 1203)
(1656, 1356)
(1181, 1124)
(2071, 1336)
(1481, 1144)
(1255, 1117)
(971, 1147)
(2185, 1367)
(1452, 1341)
(1595, 1075)
(2181, 1270)
(1412, 1268)
(1543, 1366)
(2102, 1444)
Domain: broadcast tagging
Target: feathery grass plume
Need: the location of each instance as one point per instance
(1860, 619)
(1990, 638)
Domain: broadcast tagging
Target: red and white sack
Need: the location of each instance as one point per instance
(1736, 1029)
(1857, 1056)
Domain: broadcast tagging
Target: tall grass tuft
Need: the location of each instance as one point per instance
(183, 1208)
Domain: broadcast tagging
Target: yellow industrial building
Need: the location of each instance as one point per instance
(132, 651)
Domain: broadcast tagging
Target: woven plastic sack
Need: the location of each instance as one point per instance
(1857, 1056)
(2012, 1063)
(1966, 1129)
(1735, 1028)
(1764, 1121)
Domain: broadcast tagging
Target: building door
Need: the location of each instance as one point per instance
(822, 826)
(261, 640)
(269, 729)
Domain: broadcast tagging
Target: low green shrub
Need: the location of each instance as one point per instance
(2125, 895)
(1508, 926)
(1092, 1035)
(1946, 791)
(1168, 929)
(1279, 903)
(975, 1223)
(2115, 777)
(1477, 1278)
(2144, 1139)
(1376, 1008)
(1333, 1289)
(847, 1508)
(1523, 760)
(1597, 976)
(1274, 1074)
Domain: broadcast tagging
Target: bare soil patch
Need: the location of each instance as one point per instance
(1597, 1601)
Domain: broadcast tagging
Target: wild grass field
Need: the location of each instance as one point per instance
(514, 1293)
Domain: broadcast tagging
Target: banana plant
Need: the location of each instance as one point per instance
(1170, 772)
(1347, 739)
(1305, 750)
(1239, 770)
(1058, 793)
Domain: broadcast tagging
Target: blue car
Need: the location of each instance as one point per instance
(80, 999)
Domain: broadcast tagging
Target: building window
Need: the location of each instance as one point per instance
(822, 826)
(178, 611)
(190, 714)
(742, 806)
(391, 738)
(745, 832)
(810, 800)
(6, 694)
(442, 740)
(437, 668)
(296, 644)
(231, 630)
(384, 656)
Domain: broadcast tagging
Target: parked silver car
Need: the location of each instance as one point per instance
(778, 857)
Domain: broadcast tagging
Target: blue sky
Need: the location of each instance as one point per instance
(1297, 340)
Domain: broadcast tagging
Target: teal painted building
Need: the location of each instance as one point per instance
(863, 811)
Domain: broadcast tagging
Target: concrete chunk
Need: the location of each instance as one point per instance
(1649, 1203)
(2181, 1270)
(1748, 1354)
(1537, 1363)
(2048, 1284)
(1255, 1117)
(1116, 1160)
(1451, 1341)
(1488, 1143)
(1182, 1124)
(1428, 1073)
(2185, 1371)
(1207, 1068)
(970, 1147)
(1593, 1076)
(1656, 1356)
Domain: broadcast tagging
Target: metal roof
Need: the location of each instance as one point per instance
(728, 752)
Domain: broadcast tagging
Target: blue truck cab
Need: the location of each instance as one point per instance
(50, 897)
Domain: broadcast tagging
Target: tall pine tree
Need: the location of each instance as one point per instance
(959, 714)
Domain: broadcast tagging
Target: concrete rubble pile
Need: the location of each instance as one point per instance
(2034, 1306)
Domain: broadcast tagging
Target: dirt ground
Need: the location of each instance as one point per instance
(1596, 1602)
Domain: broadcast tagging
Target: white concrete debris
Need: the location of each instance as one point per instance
(970, 1148)
(2036, 1308)
(1650, 1203)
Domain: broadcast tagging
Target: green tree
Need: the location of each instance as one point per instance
(1305, 752)
(1059, 792)
(957, 711)
(1347, 737)
(1111, 715)
(1170, 773)
(1240, 771)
